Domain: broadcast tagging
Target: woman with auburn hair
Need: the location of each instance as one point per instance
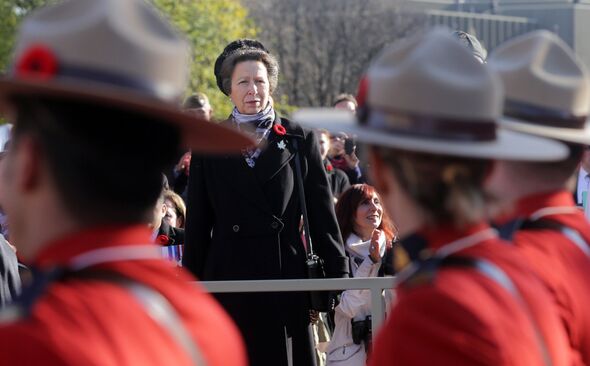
(368, 234)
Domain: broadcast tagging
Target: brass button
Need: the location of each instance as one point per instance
(236, 228)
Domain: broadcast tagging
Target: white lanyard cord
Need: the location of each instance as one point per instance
(114, 254)
(548, 211)
(466, 242)
(492, 272)
(573, 235)
(154, 304)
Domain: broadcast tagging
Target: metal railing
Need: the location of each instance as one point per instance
(374, 284)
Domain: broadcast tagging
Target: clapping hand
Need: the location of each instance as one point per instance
(375, 246)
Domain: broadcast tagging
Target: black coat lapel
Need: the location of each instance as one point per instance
(248, 183)
(277, 154)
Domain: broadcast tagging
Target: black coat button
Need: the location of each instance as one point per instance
(236, 228)
(274, 225)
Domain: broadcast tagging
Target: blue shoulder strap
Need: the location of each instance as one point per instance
(547, 224)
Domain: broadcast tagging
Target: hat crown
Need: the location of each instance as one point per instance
(113, 43)
(434, 75)
(541, 70)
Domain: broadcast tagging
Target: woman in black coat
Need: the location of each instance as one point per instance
(244, 212)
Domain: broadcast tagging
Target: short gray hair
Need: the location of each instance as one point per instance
(249, 54)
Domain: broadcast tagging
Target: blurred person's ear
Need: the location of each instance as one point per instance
(25, 164)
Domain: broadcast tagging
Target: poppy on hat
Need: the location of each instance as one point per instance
(111, 52)
(427, 93)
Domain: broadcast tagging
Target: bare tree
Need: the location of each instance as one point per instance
(324, 46)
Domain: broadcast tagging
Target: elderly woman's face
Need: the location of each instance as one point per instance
(249, 87)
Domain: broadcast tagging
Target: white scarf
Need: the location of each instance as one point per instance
(263, 121)
(355, 246)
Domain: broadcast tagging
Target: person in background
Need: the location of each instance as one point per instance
(244, 211)
(12, 273)
(89, 108)
(196, 105)
(582, 183)
(464, 297)
(338, 179)
(164, 233)
(472, 44)
(342, 155)
(10, 281)
(10, 269)
(199, 106)
(368, 236)
(175, 209)
(547, 94)
(345, 102)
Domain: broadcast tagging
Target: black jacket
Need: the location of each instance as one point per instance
(243, 224)
(175, 235)
(338, 179)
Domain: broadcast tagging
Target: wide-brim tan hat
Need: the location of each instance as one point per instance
(111, 52)
(547, 87)
(429, 94)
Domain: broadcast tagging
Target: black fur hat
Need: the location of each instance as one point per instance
(229, 49)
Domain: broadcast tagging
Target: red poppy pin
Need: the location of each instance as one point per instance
(279, 130)
(162, 239)
(329, 168)
(39, 62)
(363, 90)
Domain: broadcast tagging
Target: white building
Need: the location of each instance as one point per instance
(494, 21)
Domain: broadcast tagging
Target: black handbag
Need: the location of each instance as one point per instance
(321, 301)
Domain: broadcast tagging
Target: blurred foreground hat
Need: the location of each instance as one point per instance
(547, 87)
(429, 94)
(113, 52)
(472, 44)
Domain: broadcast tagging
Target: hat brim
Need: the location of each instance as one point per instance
(197, 134)
(574, 135)
(509, 145)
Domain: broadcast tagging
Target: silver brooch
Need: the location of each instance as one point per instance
(282, 145)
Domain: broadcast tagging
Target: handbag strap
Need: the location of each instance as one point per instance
(299, 177)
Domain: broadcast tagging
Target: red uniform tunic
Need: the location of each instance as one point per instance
(93, 322)
(461, 317)
(562, 265)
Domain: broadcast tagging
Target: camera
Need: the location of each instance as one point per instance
(349, 146)
(362, 331)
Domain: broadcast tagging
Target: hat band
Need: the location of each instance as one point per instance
(106, 78)
(448, 129)
(541, 116)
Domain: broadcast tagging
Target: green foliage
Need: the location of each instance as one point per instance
(209, 25)
(11, 13)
